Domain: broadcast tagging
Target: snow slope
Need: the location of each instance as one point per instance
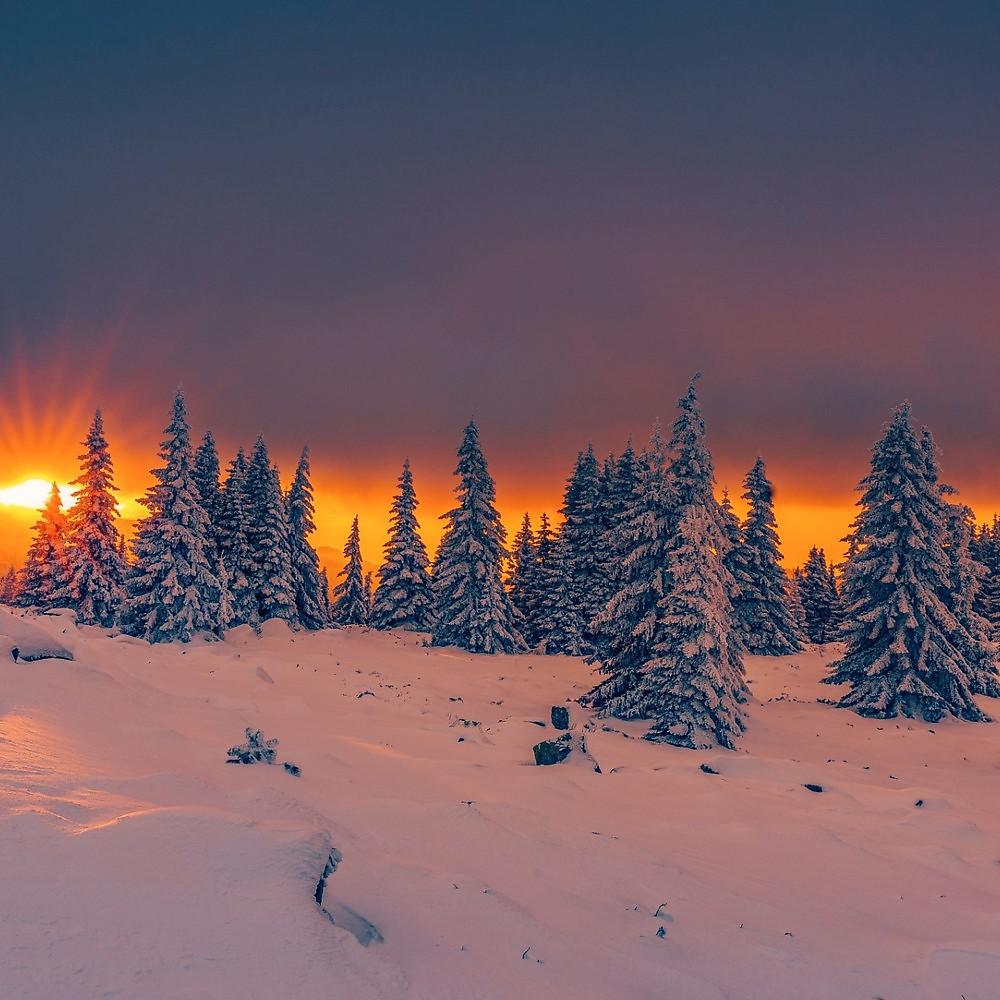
(135, 863)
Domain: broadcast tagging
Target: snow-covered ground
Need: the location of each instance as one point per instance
(135, 863)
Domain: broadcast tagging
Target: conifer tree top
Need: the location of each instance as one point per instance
(906, 652)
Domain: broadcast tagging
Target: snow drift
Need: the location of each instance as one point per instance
(134, 861)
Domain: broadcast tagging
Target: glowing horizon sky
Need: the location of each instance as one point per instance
(355, 225)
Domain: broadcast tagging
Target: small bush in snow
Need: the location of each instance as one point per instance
(255, 749)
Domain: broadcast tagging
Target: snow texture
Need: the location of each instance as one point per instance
(134, 862)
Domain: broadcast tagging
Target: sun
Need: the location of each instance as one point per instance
(32, 494)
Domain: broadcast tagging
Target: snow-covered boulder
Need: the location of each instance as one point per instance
(31, 641)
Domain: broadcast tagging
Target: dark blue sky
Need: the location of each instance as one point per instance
(359, 223)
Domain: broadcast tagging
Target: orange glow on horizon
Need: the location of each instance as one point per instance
(44, 421)
(803, 521)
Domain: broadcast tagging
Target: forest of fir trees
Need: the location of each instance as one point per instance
(648, 575)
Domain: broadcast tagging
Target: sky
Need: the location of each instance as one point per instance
(357, 224)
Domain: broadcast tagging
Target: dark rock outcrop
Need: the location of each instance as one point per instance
(560, 717)
(550, 752)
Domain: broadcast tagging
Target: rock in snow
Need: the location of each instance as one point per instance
(550, 752)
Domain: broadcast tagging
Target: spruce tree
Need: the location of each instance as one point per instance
(628, 628)
(9, 588)
(986, 551)
(736, 558)
(622, 488)
(607, 511)
(973, 635)
(96, 570)
(351, 602)
(760, 607)
(472, 608)
(794, 592)
(541, 580)
(309, 600)
(560, 622)
(692, 474)
(369, 596)
(327, 605)
(837, 608)
(206, 473)
(234, 543)
(818, 598)
(45, 575)
(403, 598)
(906, 653)
(581, 585)
(172, 591)
(731, 528)
(617, 488)
(269, 537)
(521, 579)
(693, 686)
(672, 657)
(696, 678)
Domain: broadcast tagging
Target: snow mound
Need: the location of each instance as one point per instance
(134, 861)
(35, 641)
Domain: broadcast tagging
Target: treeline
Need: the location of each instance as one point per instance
(648, 574)
(207, 556)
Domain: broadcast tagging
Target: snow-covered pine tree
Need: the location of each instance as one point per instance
(627, 628)
(327, 606)
(542, 580)
(96, 571)
(403, 598)
(205, 473)
(760, 607)
(472, 608)
(818, 598)
(693, 686)
(697, 515)
(521, 578)
(692, 474)
(350, 596)
(269, 536)
(736, 557)
(608, 510)
(45, 574)
(986, 551)
(234, 544)
(682, 666)
(309, 599)
(172, 592)
(558, 623)
(795, 608)
(617, 487)
(8, 588)
(972, 632)
(837, 608)
(369, 596)
(905, 650)
(731, 526)
(579, 553)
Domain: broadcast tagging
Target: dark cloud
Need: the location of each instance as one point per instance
(356, 226)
